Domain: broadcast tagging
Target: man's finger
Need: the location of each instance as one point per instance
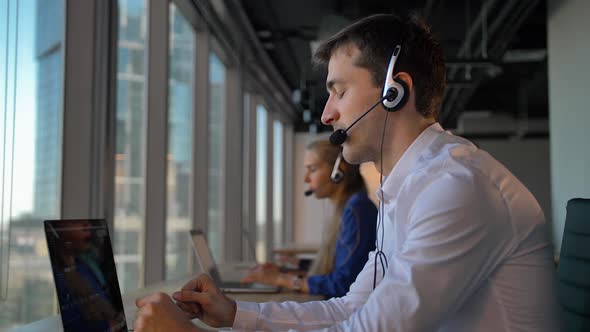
(190, 296)
(196, 283)
(139, 324)
(184, 306)
(140, 302)
(190, 308)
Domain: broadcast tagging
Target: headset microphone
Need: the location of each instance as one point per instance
(338, 137)
(394, 98)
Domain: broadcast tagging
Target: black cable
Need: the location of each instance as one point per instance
(380, 224)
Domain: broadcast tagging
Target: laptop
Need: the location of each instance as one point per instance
(85, 277)
(207, 265)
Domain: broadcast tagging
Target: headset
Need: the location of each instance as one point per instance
(395, 96)
(395, 90)
(336, 176)
(337, 173)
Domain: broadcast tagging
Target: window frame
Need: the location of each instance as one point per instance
(89, 136)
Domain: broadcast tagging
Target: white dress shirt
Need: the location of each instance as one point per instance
(467, 250)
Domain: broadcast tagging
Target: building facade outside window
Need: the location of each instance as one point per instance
(130, 156)
(182, 41)
(217, 113)
(31, 96)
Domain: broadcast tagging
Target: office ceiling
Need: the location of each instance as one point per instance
(495, 50)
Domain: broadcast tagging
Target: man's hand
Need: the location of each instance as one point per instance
(200, 298)
(267, 273)
(157, 312)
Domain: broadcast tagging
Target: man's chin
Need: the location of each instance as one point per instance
(353, 156)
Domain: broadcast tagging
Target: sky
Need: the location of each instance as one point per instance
(24, 141)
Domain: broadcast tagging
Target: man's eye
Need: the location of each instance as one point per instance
(340, 95)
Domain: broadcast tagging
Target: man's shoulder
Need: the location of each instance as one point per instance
(454, 155)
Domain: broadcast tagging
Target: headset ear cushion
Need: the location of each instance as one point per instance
(337, 176)
(404, 90)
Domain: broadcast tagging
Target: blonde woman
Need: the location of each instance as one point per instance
(347, 239)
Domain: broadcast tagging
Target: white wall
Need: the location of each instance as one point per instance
(568, 41)
(310, 213)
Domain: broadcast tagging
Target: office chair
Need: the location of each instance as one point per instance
(574, 267)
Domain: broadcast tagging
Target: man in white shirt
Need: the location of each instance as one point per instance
(462, 244)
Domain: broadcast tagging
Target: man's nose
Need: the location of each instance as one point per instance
(330, 114)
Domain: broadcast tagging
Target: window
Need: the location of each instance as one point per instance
(217, 99)
(277, 182)
(261, 185)
(179, 253)
(31, 97)
(130, 146)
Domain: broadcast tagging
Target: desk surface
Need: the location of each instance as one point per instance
(53, 323)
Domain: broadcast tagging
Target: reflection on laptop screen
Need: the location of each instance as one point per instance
(85, 276)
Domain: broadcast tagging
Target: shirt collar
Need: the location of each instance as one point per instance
(405, 165)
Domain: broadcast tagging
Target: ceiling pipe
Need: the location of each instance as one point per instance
(452, 93)
(454, 99)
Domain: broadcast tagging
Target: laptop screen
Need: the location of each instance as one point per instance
(85, 276)
(204, 256)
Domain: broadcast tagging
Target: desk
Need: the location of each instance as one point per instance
(53, 323)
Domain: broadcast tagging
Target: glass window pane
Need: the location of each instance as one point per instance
(130, 146)
(277, 182)
(261, 174)
(179, 252)
(217, 97)
(31, 109)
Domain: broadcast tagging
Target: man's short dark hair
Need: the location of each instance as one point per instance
(421, 55)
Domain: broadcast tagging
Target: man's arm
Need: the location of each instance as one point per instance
(456, 236)
(454, 241)
(200, 298)
(313, 315)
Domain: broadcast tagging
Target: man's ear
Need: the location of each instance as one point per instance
(407, 79)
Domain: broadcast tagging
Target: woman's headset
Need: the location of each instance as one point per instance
(337, 173)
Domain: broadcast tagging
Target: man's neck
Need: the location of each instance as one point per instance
(398, 138)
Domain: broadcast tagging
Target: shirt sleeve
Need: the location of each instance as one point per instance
(355, 241)
(274, 316)
(456, 236)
